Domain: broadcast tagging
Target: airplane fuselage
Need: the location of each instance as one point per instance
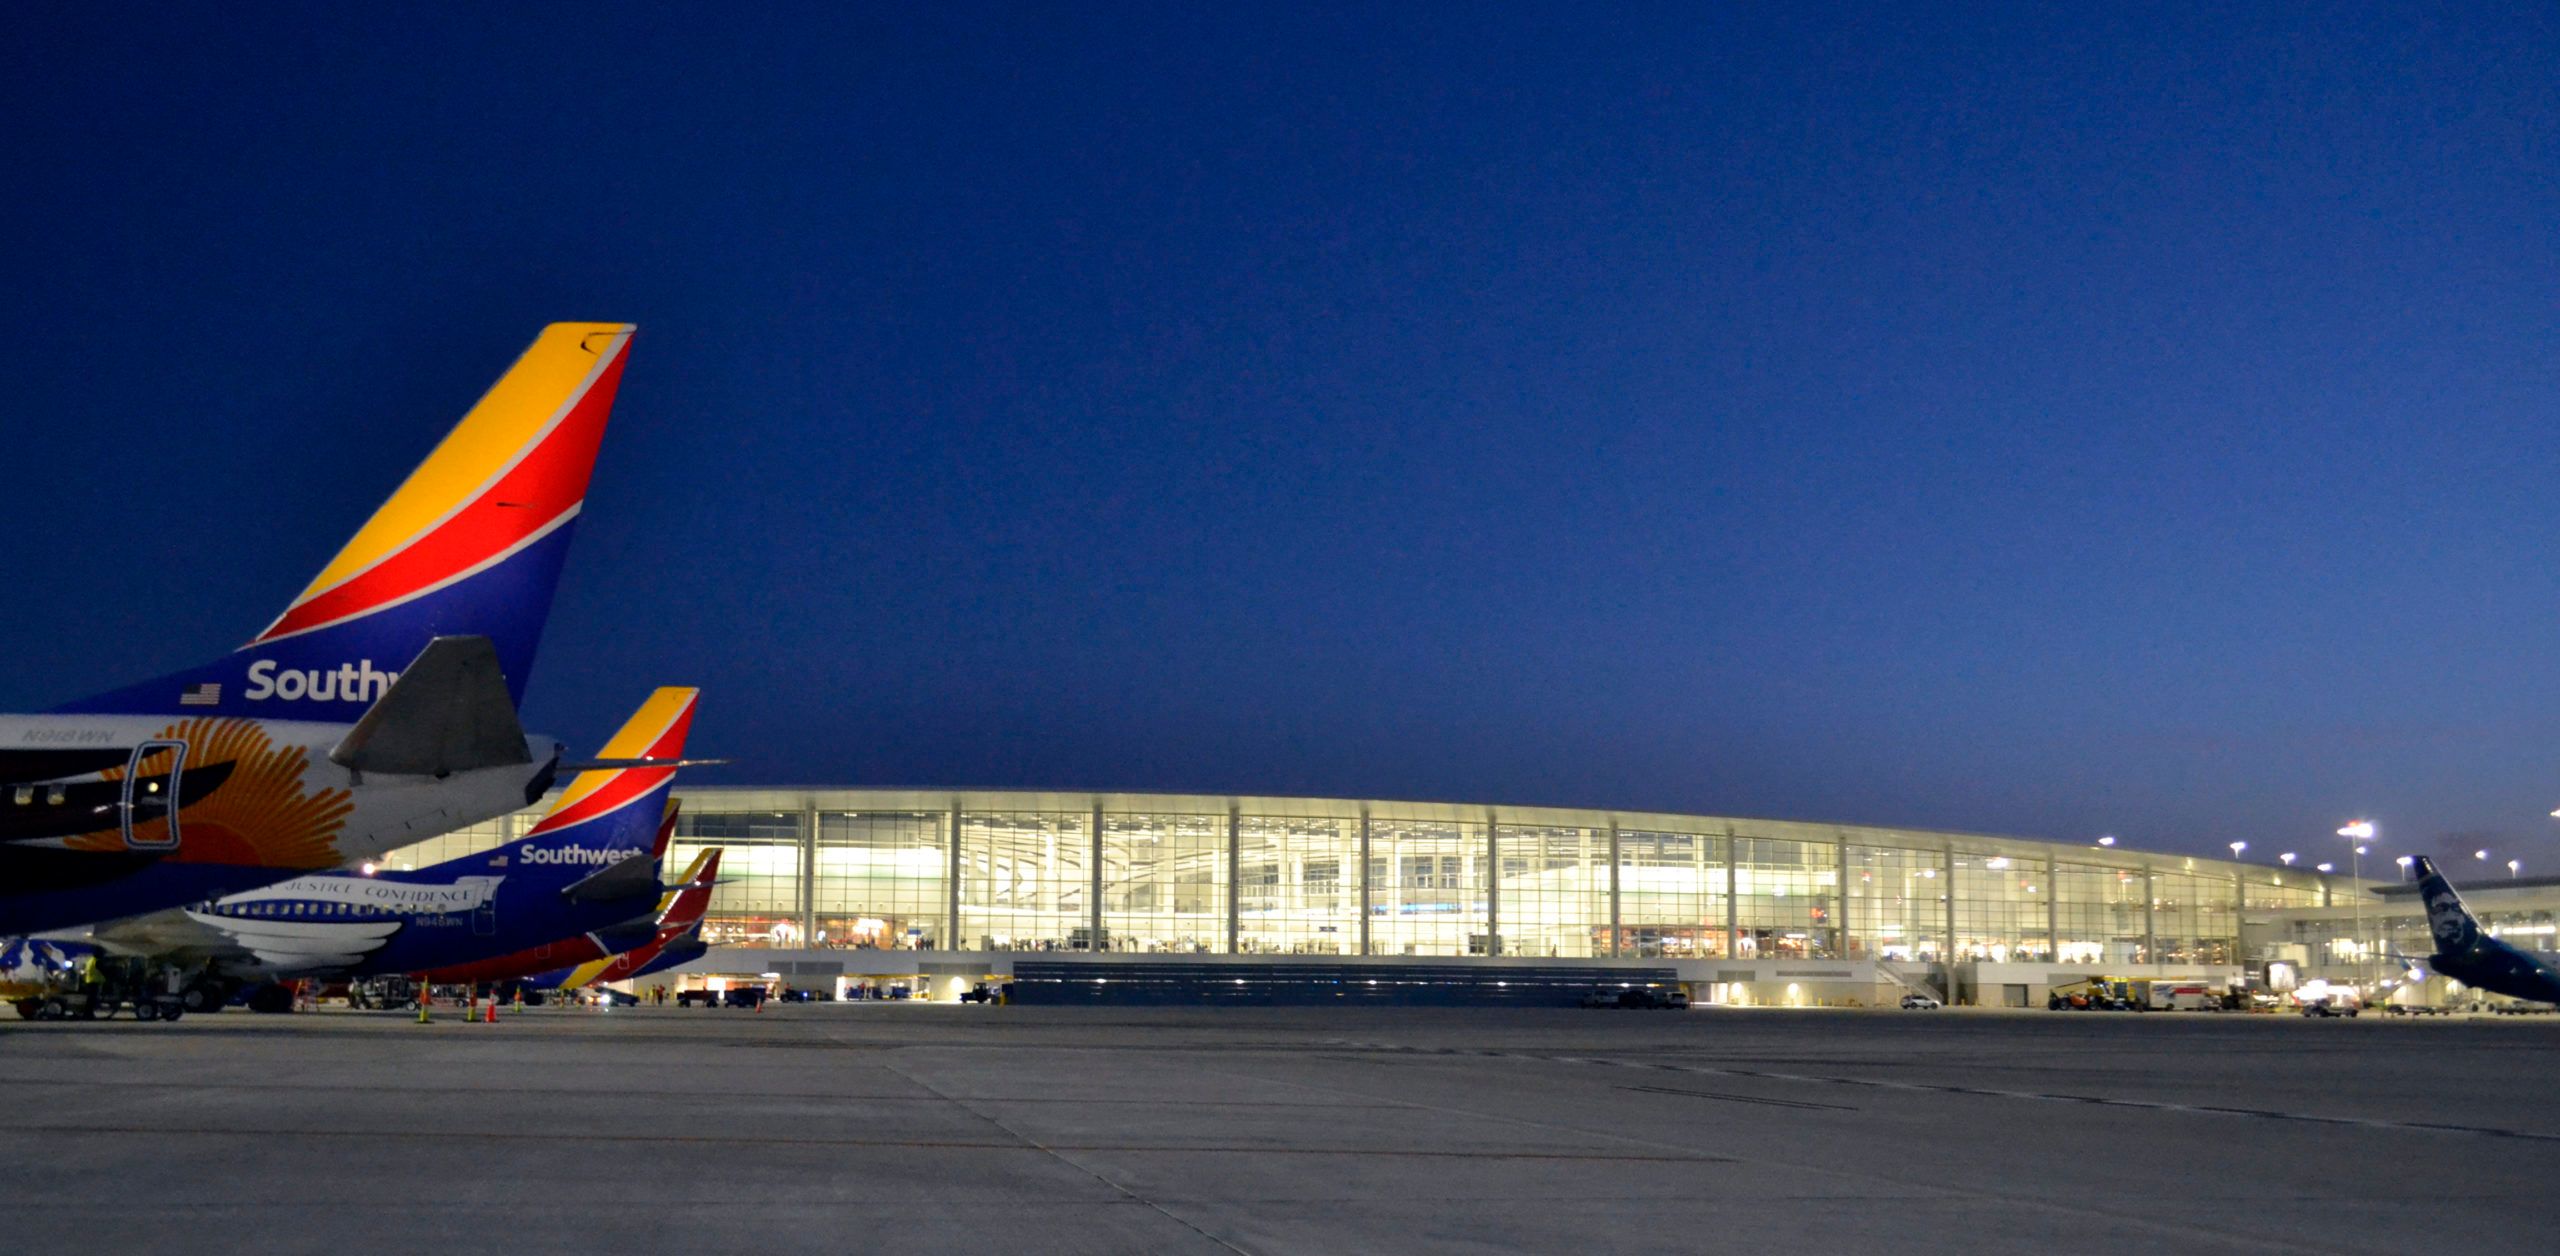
(108, 816)
(343, 925)
(2499, 968)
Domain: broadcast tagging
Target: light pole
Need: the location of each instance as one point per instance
(2514, 866)
(2359, 832)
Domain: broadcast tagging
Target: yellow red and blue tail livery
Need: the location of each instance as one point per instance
(377, 710)
(471, 544)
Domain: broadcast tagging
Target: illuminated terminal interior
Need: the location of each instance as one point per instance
(970, 879)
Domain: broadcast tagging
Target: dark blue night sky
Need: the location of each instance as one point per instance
(2023, 421)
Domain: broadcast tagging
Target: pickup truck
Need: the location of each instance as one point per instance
(1636, 997)
(735, 996)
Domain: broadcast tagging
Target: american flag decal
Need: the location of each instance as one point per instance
(207, 694)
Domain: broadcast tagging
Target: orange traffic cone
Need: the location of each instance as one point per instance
(493, 1012)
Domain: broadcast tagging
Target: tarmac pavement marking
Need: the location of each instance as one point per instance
(903, 1144)
(2200, 1109)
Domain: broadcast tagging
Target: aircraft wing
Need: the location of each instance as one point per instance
(173, 935)
(287, 947)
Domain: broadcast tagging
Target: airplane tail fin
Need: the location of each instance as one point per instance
(672, 940)
(471, 544)
(693, 897)
(604, 836)
(2452, 924)
(638, 796)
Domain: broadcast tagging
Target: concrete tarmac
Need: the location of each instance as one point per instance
(925, 1128)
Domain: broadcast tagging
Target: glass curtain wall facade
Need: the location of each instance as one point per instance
(1297, 888)
(880, 881)
(2194, 919)
(2002, 905)
(1672, 891)
(1164, 883)
(1897, 904)
(1555, 891)
(1026, 881)
(1786, 899)
(2099, 916)
(1429, 883)
(1175, 874)
(757, 902)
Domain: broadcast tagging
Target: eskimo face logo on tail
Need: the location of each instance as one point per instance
(582, 855)
(2451, 927)
(359, 681)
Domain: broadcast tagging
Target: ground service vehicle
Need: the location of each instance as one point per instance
(1651, 997)
(2093, 994)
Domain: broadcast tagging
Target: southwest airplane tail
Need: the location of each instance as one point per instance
(379, 709)
(614, 822)
(471, 544)
(616, 905)
(678, 939)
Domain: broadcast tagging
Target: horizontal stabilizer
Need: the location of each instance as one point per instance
(631, 877)
(449, 712)
(630, 934)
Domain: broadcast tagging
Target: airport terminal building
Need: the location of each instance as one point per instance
(930, 891)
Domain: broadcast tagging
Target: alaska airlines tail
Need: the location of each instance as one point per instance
(471, 544)
(2454, 929)
(2466, 953)
(607, 817)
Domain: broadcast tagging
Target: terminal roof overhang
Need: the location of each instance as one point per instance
(783, 799)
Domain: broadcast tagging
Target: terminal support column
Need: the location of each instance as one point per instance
(2150, 929)
(1235, 834)
(808, 870)
(1947, 948)
(1094, 940)
(1617, 938)
(2052, 910)
(1732, 900)
(2239, 905)
(1841, 939)
(1492, 886)
(951, 938)
(1366, 893)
